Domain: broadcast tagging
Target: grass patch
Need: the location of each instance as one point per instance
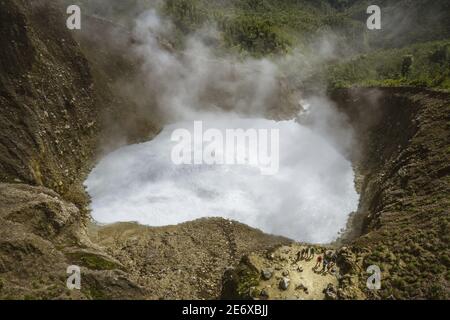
(92, 261)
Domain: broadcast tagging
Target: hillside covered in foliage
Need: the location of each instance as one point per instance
(411, 49)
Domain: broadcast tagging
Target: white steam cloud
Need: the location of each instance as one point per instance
(308, 200)
(185, 85)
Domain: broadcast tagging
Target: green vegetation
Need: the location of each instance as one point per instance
(96, 293)
(248, 278)
(188, 15)
(92, 261)
(259, 27)
(403, 53)
(422, 65)
(256, 34)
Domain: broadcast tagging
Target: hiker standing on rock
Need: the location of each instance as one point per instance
(332, 261)
(311, 253)
(304, 253)
(299, 255)
(326, 261)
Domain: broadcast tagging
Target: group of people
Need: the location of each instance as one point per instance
(306, 254)
(328, 261)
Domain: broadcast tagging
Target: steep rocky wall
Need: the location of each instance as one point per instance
(48, 130)
(48, 119)
(403, 163)
(400, 131)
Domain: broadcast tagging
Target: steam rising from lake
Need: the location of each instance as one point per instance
(309, 199)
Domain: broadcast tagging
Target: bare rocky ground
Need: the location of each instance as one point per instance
(184, 261)
(52, 98)
(281, 274)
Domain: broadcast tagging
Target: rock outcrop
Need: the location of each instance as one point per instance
(41, 236)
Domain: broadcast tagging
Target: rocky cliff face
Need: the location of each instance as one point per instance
(48, 120)
(404, 134)
(41, 235)
(48, 133)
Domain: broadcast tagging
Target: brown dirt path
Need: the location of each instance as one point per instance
(304, 282)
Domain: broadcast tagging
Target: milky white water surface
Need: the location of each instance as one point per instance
(309, 199)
